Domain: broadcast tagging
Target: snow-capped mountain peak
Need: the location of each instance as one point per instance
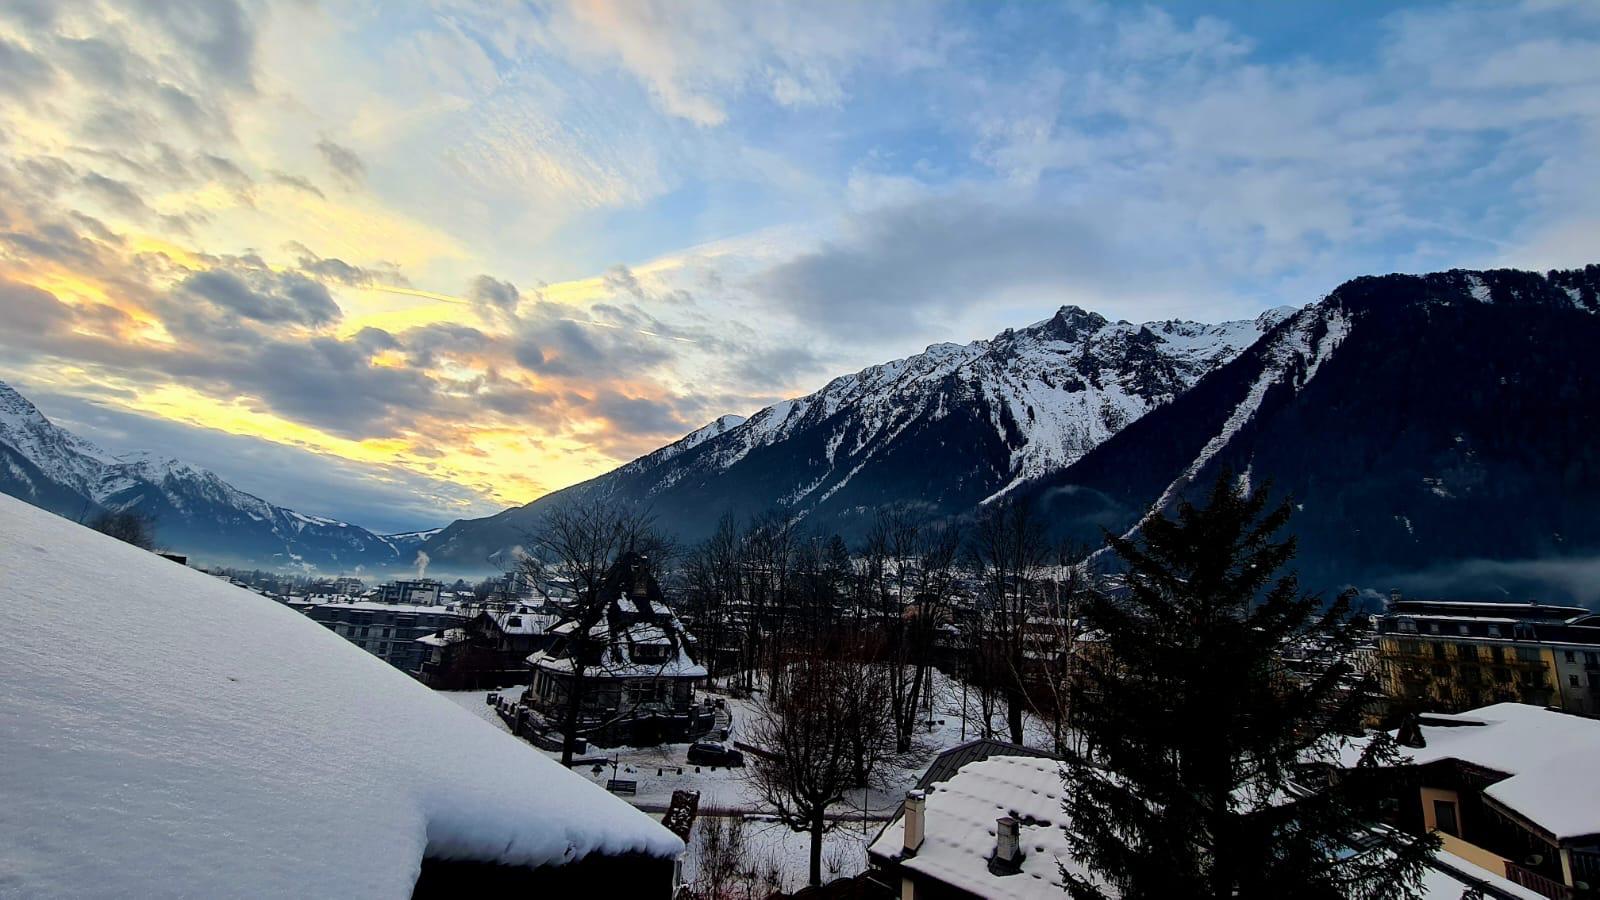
(951, 427)
(195, 510)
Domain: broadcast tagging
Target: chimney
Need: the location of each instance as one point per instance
(1007, 858)
(915, 821)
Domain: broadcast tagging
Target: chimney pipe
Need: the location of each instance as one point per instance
(1007, 858)
(915, 821)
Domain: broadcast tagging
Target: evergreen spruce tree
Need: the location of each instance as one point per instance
(1212, 682)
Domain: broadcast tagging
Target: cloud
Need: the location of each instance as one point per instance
(906, 265)
(218, 34)
(493, 299)
(798, 55)
(263, 296)
(1565, 579)
(298, 182)
(23, 73)
(342, 160)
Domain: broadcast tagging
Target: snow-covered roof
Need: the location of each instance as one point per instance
(522, 622)
(167, 734)
(375, 606)
(1549, 756)
(959, 825)
(444, 638)
(1450, 878)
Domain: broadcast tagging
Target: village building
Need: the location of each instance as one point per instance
(388, 631)
(1511, 788)
(301, 768)
(639, 675)
(986, 821)
(416, 592)
(1443, 656)
(490, 649)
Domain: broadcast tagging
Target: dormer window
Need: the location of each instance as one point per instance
(513, 621)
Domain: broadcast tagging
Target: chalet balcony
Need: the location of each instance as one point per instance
(1533, 881)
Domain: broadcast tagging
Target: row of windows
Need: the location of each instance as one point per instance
(1519, 630)
(1498, 653)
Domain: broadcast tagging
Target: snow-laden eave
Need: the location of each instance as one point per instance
(214, 749)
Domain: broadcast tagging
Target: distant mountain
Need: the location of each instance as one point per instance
(1438, 433)
(948, 429)
(195, 512)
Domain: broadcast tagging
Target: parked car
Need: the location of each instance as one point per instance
(713, 753)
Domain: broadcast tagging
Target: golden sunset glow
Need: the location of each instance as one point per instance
(469, 254)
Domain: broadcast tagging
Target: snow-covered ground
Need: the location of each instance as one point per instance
(780, 856)
(662, 769)
(659, 770)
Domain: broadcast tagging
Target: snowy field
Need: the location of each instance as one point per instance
(781, 857)
(662, 769)
(779, 854)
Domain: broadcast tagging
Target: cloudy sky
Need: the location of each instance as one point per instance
(399, 264)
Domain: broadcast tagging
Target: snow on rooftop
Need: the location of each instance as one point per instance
(1441, 884)
(959, 831)
(165, 733)
(1548, 755)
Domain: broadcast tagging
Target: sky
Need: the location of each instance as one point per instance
(399, 264)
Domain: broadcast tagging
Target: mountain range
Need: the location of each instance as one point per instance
(1437, 433)
(945, 430)
(1434, 433)
(193, 510)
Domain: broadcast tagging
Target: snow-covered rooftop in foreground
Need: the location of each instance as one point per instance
(1549, 756)
(167, 734)
(959, 831)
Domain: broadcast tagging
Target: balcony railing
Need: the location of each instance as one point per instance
(1533, 881)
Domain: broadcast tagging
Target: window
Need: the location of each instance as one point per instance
(1590, 659)
(1463, 629)
(1571, 657)
(1407, 625)
(1494, 631)
(1444, 817)
(1572, 680)
(1503, 676)
(1499, 653)
(513, 621)
(1438, 651)
(1433, 627)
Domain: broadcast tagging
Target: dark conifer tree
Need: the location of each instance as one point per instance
(1212, 691)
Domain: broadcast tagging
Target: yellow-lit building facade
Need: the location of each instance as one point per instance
(1447, 657)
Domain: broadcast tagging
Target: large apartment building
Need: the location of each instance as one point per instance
(1446, 656)
(388, 631)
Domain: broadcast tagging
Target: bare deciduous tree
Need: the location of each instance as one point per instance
(1008, 550)
(127, 526)
(822, 723)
